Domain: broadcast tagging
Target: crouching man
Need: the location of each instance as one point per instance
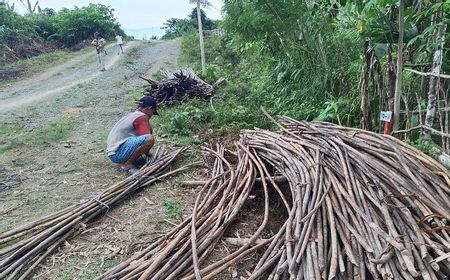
(132, 136)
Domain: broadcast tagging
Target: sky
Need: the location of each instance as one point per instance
(134, 14)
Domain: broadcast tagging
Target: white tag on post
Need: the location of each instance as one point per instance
(386, 116)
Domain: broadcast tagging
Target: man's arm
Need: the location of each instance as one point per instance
(142, 126)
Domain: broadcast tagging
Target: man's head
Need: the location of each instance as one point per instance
(96, 35)
(147, 104)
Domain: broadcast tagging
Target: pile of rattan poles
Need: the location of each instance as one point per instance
(360, 206)
(364, 206)
(25, 247)
(190, 243)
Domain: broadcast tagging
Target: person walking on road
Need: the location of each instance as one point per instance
(99, 44)
(132, 136)
(119, 43)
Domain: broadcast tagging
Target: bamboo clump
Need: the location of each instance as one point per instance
(24, 248)
(359, 206)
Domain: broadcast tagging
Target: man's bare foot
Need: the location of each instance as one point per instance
(130, 169)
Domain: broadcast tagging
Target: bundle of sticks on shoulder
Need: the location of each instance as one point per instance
(175, 86)
(357, 205)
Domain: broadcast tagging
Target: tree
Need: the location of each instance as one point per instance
(79, 24)
(398, 82)
(207, 24)
(199, 3)
(434, 79)
(175, 27)
(48, 12)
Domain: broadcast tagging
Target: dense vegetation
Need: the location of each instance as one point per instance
(317, 60)
(43, 30)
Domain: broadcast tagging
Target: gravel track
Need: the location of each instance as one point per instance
(59, 79)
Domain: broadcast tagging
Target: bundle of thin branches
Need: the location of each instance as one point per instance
(23, 248)
(360, 206)
(177, 85)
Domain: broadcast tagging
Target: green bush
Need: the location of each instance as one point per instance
(74, 26)
(185, 119)
(35, 33)
(340, 110)
(428, 148)
(211, 73)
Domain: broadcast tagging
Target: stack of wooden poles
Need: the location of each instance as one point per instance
(24, 248)
(175, 86)
(359, 206)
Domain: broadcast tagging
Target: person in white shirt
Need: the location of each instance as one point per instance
(119, 43)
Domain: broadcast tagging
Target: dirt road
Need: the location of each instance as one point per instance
(52, 155)
(56, 80)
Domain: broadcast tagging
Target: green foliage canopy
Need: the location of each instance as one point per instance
(178, 27)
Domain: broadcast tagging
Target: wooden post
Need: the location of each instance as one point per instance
(200, 33)
(390, 91)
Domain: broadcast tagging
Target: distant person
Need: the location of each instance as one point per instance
(132, 136)
(119, 43)
(99, 44)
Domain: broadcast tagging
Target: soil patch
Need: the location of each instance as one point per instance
(8, 179)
